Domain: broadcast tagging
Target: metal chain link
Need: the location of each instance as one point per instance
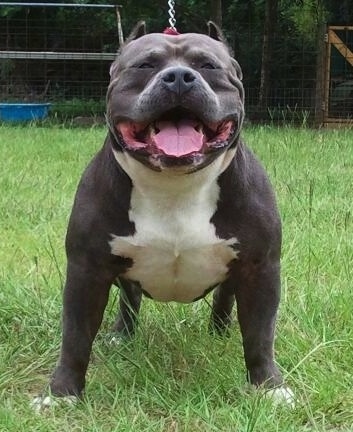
(171, 12)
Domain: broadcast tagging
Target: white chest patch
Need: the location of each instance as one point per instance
(175, 250)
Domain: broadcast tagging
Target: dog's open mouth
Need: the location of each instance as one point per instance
(176, 134)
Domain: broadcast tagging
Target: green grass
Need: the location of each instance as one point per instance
(174, 376)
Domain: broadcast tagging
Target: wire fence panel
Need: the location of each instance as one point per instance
(63, 54)
(48, 54)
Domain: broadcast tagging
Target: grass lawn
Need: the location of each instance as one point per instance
(174, 376)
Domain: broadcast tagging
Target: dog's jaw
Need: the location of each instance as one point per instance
(175, 137)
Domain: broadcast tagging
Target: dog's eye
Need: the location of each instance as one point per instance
(208, 65)
(145, 66)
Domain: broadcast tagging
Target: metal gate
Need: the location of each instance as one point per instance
(338, 89)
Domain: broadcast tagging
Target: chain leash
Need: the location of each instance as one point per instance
(171, 12)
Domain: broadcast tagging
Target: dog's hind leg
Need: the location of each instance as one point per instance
(223, 301)
(130, 300)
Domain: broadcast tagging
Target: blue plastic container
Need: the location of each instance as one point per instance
(17, 112)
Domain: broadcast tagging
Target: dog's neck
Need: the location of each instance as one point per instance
(172, 182)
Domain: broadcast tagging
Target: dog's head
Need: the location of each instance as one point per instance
(175, 101)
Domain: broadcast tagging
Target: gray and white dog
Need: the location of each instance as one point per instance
(173, 206)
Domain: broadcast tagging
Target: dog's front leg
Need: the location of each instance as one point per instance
(85, 298)
(257, 296)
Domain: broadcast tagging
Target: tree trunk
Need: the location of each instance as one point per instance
(267, 48)
(216, 12)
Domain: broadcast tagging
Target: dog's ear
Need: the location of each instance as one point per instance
(138, 31)
(215, 32)
(237, 69)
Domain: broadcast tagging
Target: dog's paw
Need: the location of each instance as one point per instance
(41, 403)
(281, 396)
(116, 341)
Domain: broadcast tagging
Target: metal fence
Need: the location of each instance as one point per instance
(47, 56)
(64, 58)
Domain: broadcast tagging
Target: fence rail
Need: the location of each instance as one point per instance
(76, 5)
(51, 55)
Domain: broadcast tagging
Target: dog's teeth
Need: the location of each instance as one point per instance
(152, 130)
(199, 128)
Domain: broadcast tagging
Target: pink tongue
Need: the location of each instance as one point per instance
(178, 139)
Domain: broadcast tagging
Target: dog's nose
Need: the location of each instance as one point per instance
(179, 79)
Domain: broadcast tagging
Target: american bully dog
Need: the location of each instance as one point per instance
(173, 206)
